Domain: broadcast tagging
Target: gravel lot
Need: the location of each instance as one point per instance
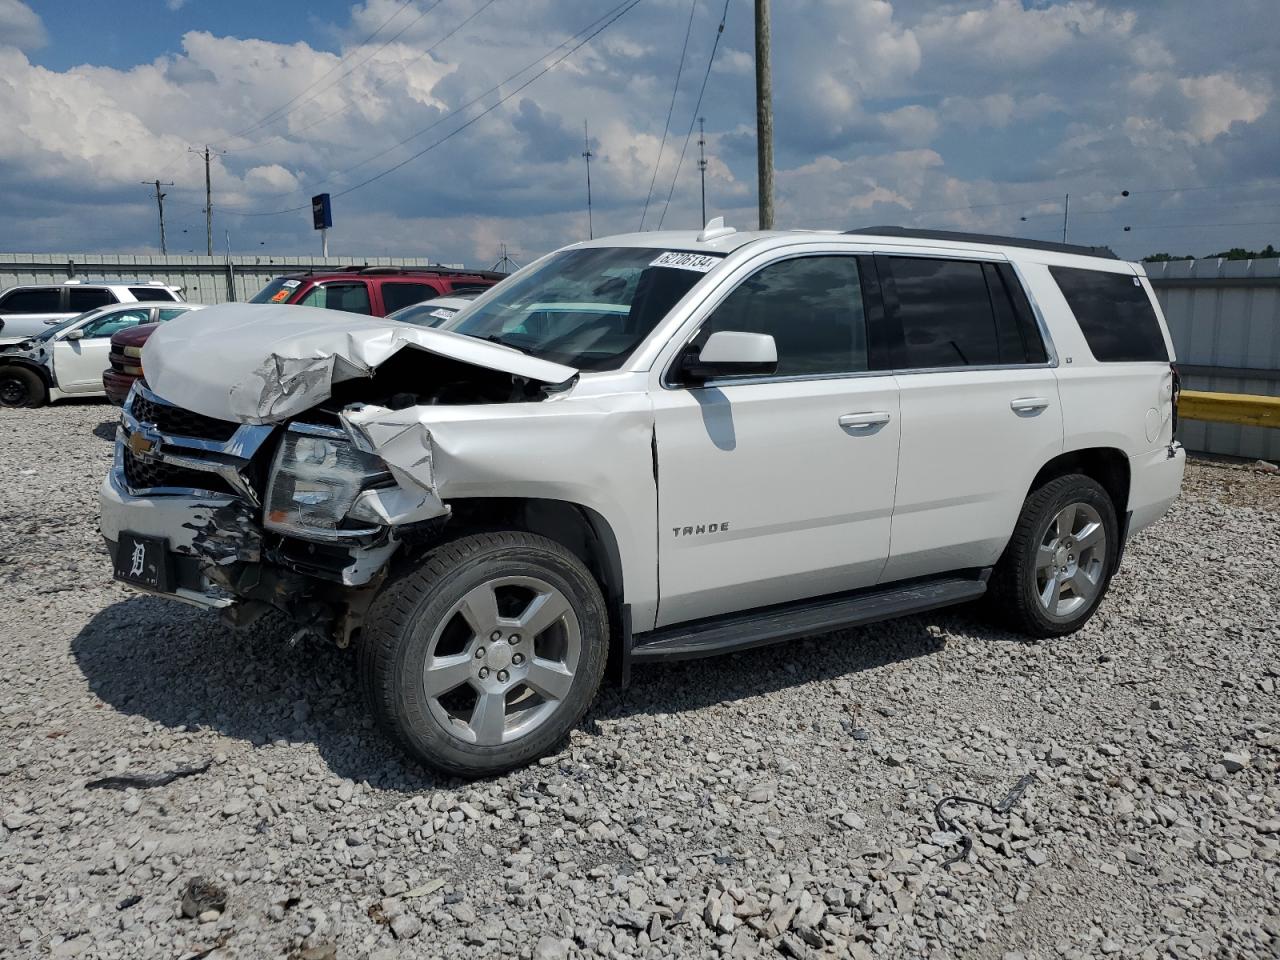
(776, 801)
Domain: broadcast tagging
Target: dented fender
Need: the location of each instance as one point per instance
(550, 450)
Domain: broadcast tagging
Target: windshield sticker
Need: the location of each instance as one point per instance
(443, 313)
(280, 295)
(291, 283)
(698, 262)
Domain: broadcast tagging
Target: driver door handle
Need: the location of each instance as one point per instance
(1028, 404)
(869, 419)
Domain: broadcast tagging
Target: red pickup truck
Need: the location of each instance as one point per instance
(375, 291)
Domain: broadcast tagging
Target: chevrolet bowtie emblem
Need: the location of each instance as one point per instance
(140, 445)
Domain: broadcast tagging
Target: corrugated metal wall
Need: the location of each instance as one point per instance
(204, 279)
(1224, 316)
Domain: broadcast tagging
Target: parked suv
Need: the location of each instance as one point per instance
(375, 291)
(29, 309)
(652, 447)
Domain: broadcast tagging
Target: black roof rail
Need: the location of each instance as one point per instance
(955, 236)
(375, 270)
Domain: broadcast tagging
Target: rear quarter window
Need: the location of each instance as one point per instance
(1114, 313)
(152, 294)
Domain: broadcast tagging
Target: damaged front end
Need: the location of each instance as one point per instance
(296, 494)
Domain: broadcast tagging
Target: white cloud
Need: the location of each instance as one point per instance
(1219, 100)
(1004, 35)
(20, 26)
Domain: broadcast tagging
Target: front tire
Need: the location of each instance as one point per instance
(21, 387)
(485, 656)
(1059, 561)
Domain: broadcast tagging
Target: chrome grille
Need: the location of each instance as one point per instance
(179, 422)
(162, 448)
(146, 474)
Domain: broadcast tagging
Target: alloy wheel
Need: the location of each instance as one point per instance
(502, 660)
(1071, 561)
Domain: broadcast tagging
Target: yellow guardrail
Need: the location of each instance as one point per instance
(1244, 409)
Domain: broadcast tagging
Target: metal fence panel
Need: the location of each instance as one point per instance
(203, 279)
(1224, 317)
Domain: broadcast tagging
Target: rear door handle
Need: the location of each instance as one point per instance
(1028, 404)
(870, 419)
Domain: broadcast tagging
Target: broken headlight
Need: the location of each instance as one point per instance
(316, 477)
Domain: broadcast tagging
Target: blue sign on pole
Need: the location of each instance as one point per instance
(321, 212)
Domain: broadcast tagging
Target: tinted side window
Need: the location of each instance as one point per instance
(351, 297)
(397, 295)
(945, 312)
(47, 300)
(88, 298)
(148, 294)
(1115, 314)
(115, 321)
(1024, 315)
(171, 314)
(811, 306)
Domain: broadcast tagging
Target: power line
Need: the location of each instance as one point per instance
(670, 109)
(1194, 226)
(1013, 203)
(270, 116)
(624, 9)
(472, 102)
(587, 155)
(382, 82)
(696, 107)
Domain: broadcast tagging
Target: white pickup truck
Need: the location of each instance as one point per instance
(653, 446)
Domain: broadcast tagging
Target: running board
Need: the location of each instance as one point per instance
(766, 625)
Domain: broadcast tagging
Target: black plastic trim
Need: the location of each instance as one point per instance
(768, 625)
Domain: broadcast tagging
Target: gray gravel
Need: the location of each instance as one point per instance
(776, 801)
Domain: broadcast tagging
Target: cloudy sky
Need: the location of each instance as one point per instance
(969, 114)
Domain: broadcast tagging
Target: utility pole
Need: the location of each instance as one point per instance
(208, 198)
(1066, 210)
(160, 203)
(702, 166)
(587, 154)
(764, 115)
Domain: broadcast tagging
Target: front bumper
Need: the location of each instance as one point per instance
(175, 518)
(116, 385)
(195, 483)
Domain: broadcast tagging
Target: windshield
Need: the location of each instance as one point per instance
(277, 291)
(429, 314)
(585, 308)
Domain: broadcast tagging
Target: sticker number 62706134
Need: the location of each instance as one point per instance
(698, 262)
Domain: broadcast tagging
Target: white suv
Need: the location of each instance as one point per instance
(28, 310)
(652, 447)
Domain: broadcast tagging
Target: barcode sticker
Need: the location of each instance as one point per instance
(698, 262)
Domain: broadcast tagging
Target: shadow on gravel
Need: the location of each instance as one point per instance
(106, 430)
(181, 667)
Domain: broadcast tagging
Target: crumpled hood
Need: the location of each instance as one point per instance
(263, 363)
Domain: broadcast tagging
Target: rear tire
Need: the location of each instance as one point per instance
(487, 654)
(1059, 561)
(21, 387)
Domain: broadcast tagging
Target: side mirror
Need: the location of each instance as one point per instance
(75, 335)
(730, 353)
